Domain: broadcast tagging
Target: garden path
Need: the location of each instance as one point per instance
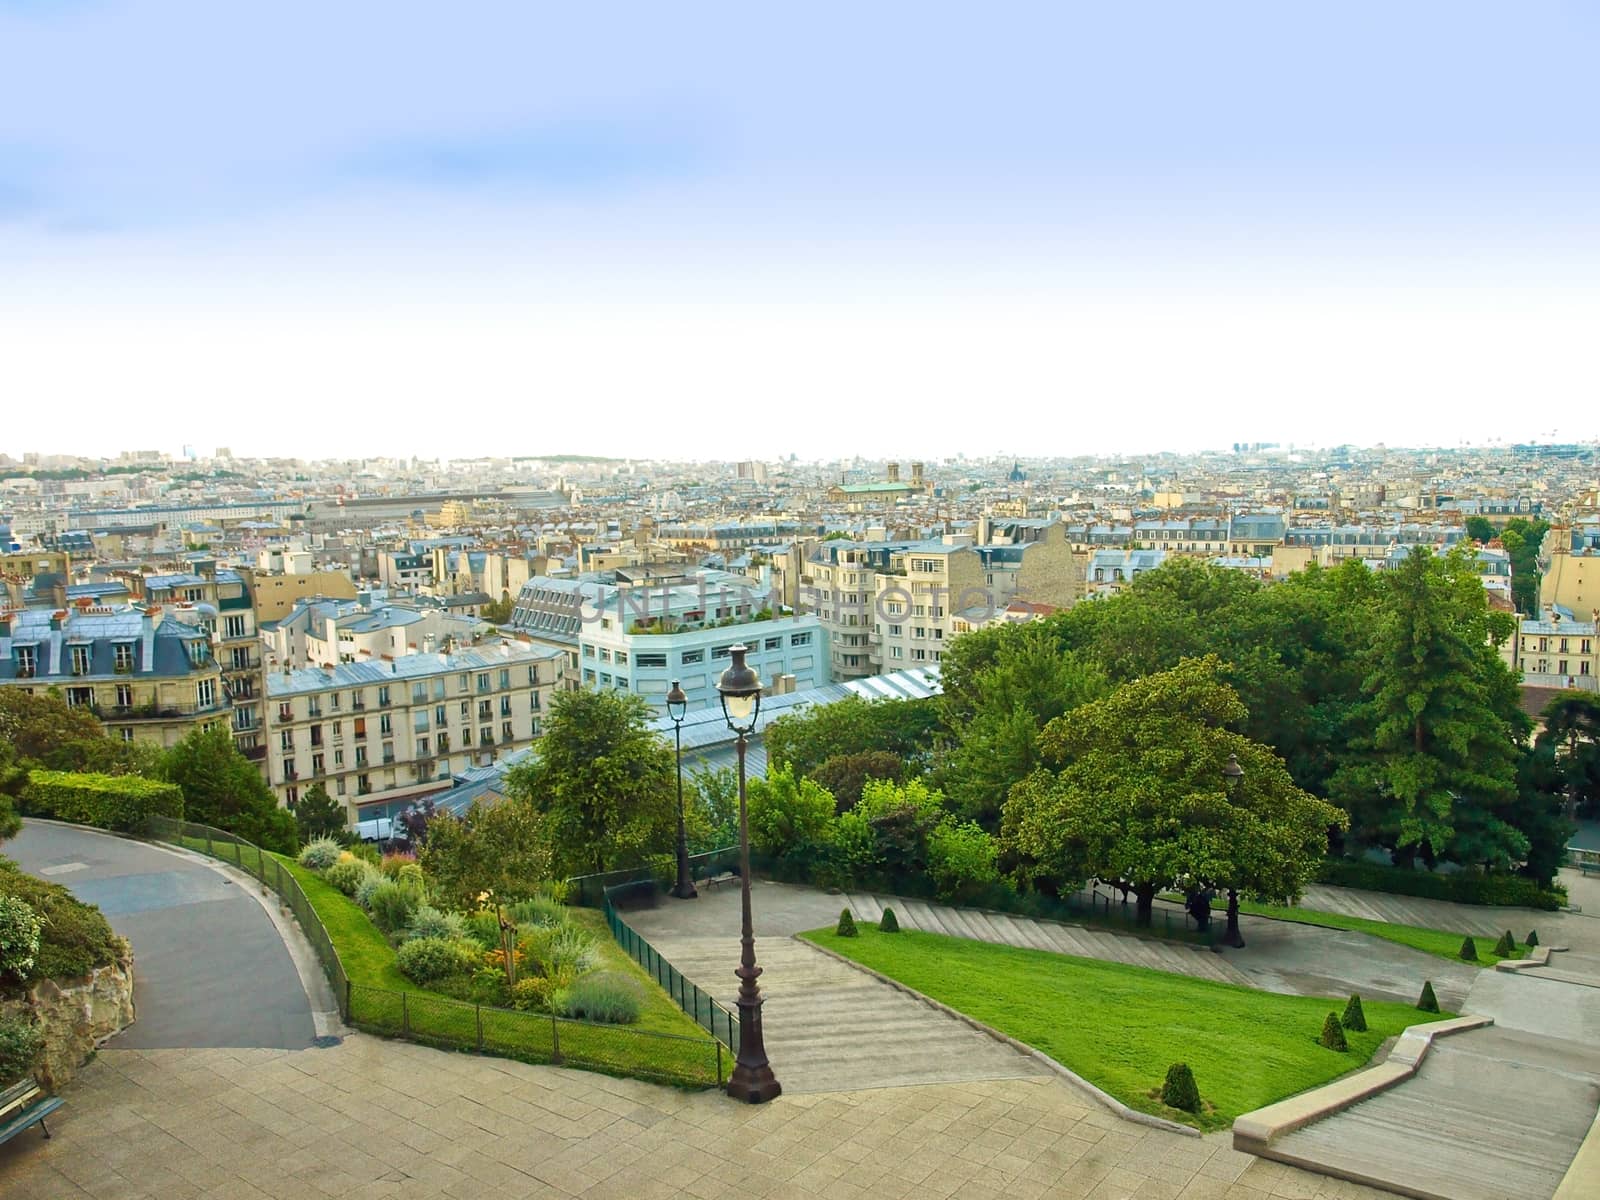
(211, 967)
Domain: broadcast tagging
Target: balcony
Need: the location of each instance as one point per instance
(254, 753)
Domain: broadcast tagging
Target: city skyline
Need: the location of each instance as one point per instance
(900, 230)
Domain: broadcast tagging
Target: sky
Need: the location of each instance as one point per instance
(744, 231)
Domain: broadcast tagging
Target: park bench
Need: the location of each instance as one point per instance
(1588, 866)
(23, 1104)
(716, 881)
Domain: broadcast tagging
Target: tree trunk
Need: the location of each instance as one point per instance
(1145, 894)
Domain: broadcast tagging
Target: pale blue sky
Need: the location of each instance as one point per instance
(894, 228)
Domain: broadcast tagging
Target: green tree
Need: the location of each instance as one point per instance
(845, 775)
(1436, 741)
(806, 740)
(319, 815)
(715, 793)
(1138, 795)
(992, 726)
(604, 783)
(42, 728)
(498, 612)
(221, 787)
(789, 817)
(1522, 539)
(1571, 735)
(499, 848)
(1479, 529)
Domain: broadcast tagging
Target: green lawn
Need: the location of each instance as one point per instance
(1430, 941)
(1120, 1027)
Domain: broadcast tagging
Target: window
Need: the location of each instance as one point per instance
(924, 566)
(466, 710)
(486, 736)
(505, 731)
(26, 662)
(292, 795)
(316, 735)
(335, 700)
(239, 657)
(483, 681)
(919, 654)
(605, 655)
(773, 643)
(605, 681)
(721, 651)
(361, 726)
(419, 693)
(484, 710)
(505, 673)
(505, 706)
(286, 740)
(316, 765)
(80, 697)
(651, 660)
(588, 651)
(363, 785)
(383, 696)
(894, 652)
(127, 732)
(122, 657)
(800, 639)
(462, 682)
(233, 627)
(621, 657)
(338, 758)
(385, 723)
(691, 657)
(206, 692)
(361, 756)
(289, 771)
(388, 749)
(80, 660)
(439, 715)
(338, 787)
(894, 630)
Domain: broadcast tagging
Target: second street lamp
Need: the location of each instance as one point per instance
(752, 1080)
(677, 707)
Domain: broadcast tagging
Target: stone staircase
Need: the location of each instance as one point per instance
(1179, 958)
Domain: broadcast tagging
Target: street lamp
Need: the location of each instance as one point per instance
(677, 708)
(1232, 772)
(752, 1080)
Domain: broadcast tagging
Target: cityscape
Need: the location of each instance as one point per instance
(869, 601)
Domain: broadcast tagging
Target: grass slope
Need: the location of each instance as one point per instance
(1120, 1027)
(1430, 941)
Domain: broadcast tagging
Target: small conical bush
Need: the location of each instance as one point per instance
(1532, 939)
(888, 923)
(1506, 946)
(1333, 1034)
(847, 924)
(1179, 1090)
(1354, 1018)
(1469, 950)
(1427, 1002)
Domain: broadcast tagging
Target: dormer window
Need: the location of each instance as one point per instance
(27, 662)
(122, 654)
(80, 659)
(197, 653)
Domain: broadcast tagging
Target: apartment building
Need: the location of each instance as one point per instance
(1558, 649)
(323, 632)
(147, 674)
(373, 733)
(225, 605)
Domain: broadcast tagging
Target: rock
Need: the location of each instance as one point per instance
(76, 1015)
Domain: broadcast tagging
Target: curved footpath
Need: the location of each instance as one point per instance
(210, 965)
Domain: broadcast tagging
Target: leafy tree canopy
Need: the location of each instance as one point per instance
(221, 787)
(806, 740)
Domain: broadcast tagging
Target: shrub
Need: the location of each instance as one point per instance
(1179, 1089)
(74, 937)
(1464, 887)
(347, 875)
(788, 816)
(539, 910)
(120, 802)
(427, 960)
(483, 927)
(20, 1045)
(847, 924)
(392, 863)
(604, 996)
(19, 938)
(411, 876)
(555, 949)
(1506, 946)
(1428, 1002)
(392, 905)
(961, 858)
(532, 993)
(1333, 1034)
(370, 883)
(1532, 939)
(320, 853)
(365, 852)
(888, 923)
(1354, 1017)
(1469, 950)
(846, 774)
(428, 921)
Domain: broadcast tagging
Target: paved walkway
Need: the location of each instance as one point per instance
(370, 1119)
(210, 965)
(828, 1026)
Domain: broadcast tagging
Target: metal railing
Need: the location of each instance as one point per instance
(711, 1016)
(589, 891)
(438, 1021)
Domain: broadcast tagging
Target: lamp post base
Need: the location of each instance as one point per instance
(685, 890)
(754, 1085)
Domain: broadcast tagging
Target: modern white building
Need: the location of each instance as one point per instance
(639, 629)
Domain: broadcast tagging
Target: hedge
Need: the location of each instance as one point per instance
(1464, 887)
(74, 938)
(119, 802)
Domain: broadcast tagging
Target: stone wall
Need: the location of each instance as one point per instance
(76, 1015)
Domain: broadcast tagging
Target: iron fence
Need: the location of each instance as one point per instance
(589, 891)
(448, 1024)
(707, 1013)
